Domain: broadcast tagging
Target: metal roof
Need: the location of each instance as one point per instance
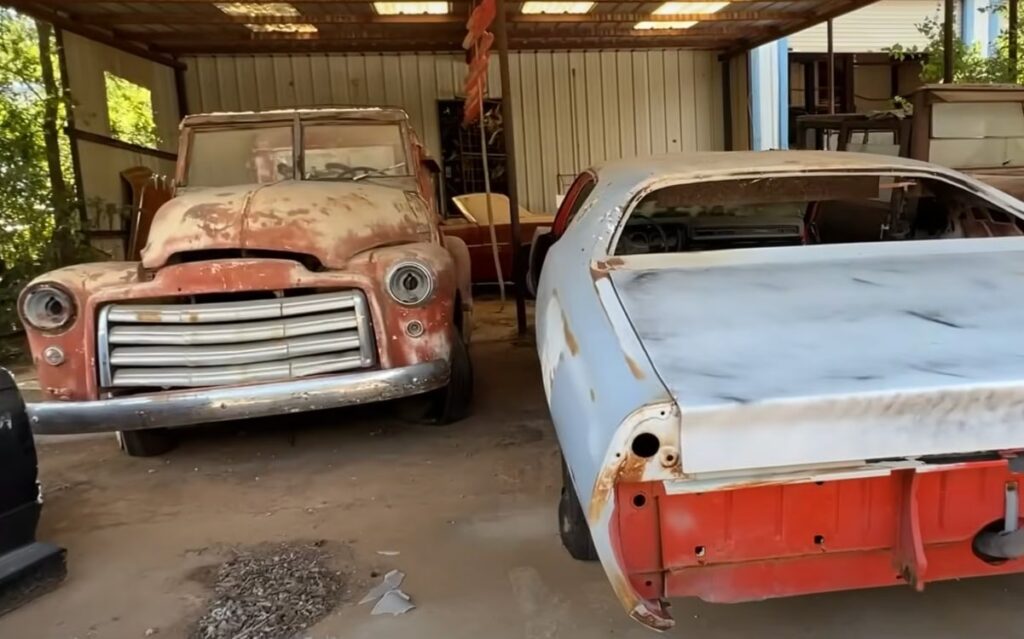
(177, 27)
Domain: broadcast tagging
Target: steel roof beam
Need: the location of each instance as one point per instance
(334, 18)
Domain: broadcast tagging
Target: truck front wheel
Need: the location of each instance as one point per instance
(450, 403)
(147, 443)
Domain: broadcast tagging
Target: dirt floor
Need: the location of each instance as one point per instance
(469, 508)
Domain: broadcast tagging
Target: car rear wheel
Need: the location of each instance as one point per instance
(572, 522)
(452, 402)
(147, 443)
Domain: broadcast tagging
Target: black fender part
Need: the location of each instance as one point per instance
(19, 469)
(28, 568)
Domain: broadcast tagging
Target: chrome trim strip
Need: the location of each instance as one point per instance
(367, 345)
(103, 346)
(178, 346)
(182, 377)
(235, 333)
(184, 408)
(231, 311)
(224, 355)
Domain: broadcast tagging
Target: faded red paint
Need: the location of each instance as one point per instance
(765, 541)
(331, 221)
(478, 238)
(120, 283)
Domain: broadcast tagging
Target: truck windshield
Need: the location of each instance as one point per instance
(265, 154)
(353, 151)
(257, 155)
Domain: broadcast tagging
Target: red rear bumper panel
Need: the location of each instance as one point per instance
(776, 540)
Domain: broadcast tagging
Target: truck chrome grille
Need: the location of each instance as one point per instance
(225, 343)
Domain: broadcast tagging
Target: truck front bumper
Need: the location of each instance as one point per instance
(174, 409)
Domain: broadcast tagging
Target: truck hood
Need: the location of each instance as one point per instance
(831, 354)
(331, 221)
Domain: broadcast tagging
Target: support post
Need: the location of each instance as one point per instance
(518, 270)
(831, 69)
(947, 41)
(1013, 45)
(181, 92)
(727, 103)
(69, 119)
(782, 51)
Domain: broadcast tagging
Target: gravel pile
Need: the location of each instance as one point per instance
(271, 592)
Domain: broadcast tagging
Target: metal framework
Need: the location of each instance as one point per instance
(164, 29)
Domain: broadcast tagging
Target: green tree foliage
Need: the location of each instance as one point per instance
(33, 192)
(26, 216)
(130, 109)
(970, 65)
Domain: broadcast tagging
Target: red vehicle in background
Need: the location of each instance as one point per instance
(473, 228)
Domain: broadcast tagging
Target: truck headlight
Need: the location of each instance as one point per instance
(47, 308)
(410, 283)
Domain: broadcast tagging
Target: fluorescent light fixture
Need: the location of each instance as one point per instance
(652, 24)
(301, 27)
(245, 9)
(675, 8)
(540, 6)
(411, 8)
(257, 9)
(670, 8)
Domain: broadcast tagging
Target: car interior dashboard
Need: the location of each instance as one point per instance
(775, 212)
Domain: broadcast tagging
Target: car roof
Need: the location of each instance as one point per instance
(703, 165)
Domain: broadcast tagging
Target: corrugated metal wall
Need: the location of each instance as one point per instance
(102, 165)
(627, 103)
(872, 28)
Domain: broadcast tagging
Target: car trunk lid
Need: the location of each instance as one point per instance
(822, 355)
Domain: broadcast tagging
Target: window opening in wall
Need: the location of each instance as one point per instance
(130, 112)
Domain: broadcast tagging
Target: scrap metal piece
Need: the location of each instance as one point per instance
(394, 602)
(391, 581)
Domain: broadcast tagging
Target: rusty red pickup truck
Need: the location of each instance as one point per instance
(299, 265)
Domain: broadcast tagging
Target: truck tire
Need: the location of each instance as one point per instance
(147, 443)
(450, 403)
(572, 522)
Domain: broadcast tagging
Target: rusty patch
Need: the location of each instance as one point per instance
(628, 468)
(634, 368)
(608, 265)
(597, 273)
(293, 217)
(570, 337)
